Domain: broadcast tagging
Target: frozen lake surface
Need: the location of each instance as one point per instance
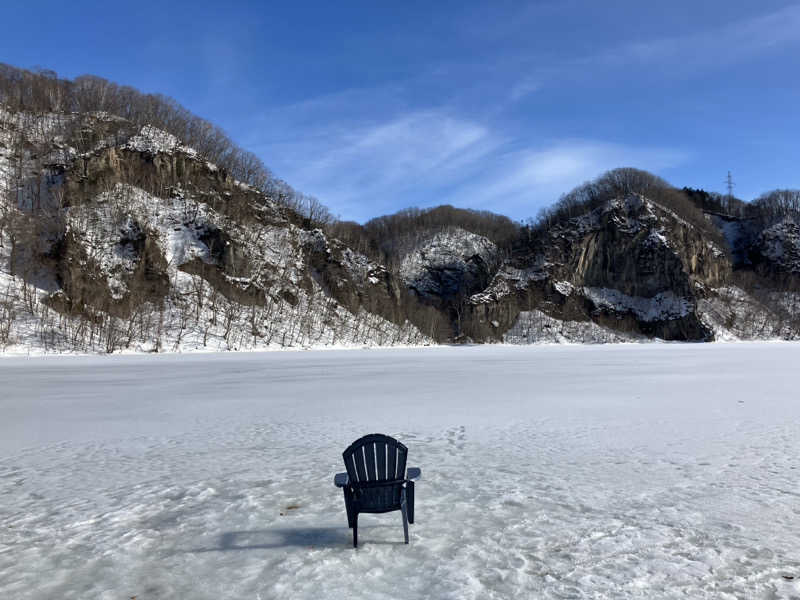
(619, 471)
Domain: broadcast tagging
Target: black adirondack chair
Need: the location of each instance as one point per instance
(376, 480)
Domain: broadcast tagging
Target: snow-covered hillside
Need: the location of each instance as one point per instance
(617, 471)
(90, 262)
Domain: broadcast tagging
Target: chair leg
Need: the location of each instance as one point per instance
(410, 501)
(404, 511)
(355, 530)
(348, 506)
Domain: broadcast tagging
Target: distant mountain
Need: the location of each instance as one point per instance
(128, 224)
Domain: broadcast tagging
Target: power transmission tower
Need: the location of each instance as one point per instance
(729, 183)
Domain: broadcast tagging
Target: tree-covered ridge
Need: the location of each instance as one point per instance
(41, 92)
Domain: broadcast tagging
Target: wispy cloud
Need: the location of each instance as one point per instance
(524, 181)
(711, 48)
(524, 87)
(430, 157)
(716, 47)
(674, 56)
(361, 170)
(412, 146)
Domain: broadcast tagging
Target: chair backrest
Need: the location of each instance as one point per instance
(375, 457)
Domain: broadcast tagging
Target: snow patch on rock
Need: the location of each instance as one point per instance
(565, 288)
(510, 279)
(536, 327)
(734, 315)
(656, 239)
(153, 141)
(630, 214)
(780, 243)
(440, 265)
(665, 306)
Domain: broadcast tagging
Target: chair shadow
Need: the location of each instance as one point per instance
(300, 537)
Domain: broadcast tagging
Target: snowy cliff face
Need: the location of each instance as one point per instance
(450, 264)
(118, 237)
(631, 266)
(779, 245)
(770, 248)
(633, 270)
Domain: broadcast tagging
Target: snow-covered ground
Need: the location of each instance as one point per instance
(616, 471)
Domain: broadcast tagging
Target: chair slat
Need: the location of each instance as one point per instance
(401, 463)
(369, 458)
(391, 468)
(358, 456)
(380, 458)
(351, 467)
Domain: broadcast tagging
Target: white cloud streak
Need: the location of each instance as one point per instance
(532, 178)
(676, 56)
(713, 48)
(426, 158)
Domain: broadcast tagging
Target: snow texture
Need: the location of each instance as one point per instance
(153, 140)
(733, 315)
(508, 279)
(30, 327)
(16, 129)
(732, 230)
(630, 215)
(739, 234)
(781, 244)
(535, 327)
(646, 471)
(194, 317)
(451, 250)
(656, 239)
(664, 306)
(565, 288)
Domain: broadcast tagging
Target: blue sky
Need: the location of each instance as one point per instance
(377, 106)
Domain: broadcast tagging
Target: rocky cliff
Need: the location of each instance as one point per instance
(138, 242)
(630, 266)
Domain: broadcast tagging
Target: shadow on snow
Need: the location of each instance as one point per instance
(310, 537)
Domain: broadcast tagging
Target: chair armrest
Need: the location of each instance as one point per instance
(413, 473)
(340, 480)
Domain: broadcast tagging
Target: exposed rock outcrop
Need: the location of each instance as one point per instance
(630, 265)
(778, 247)
(450, 264)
